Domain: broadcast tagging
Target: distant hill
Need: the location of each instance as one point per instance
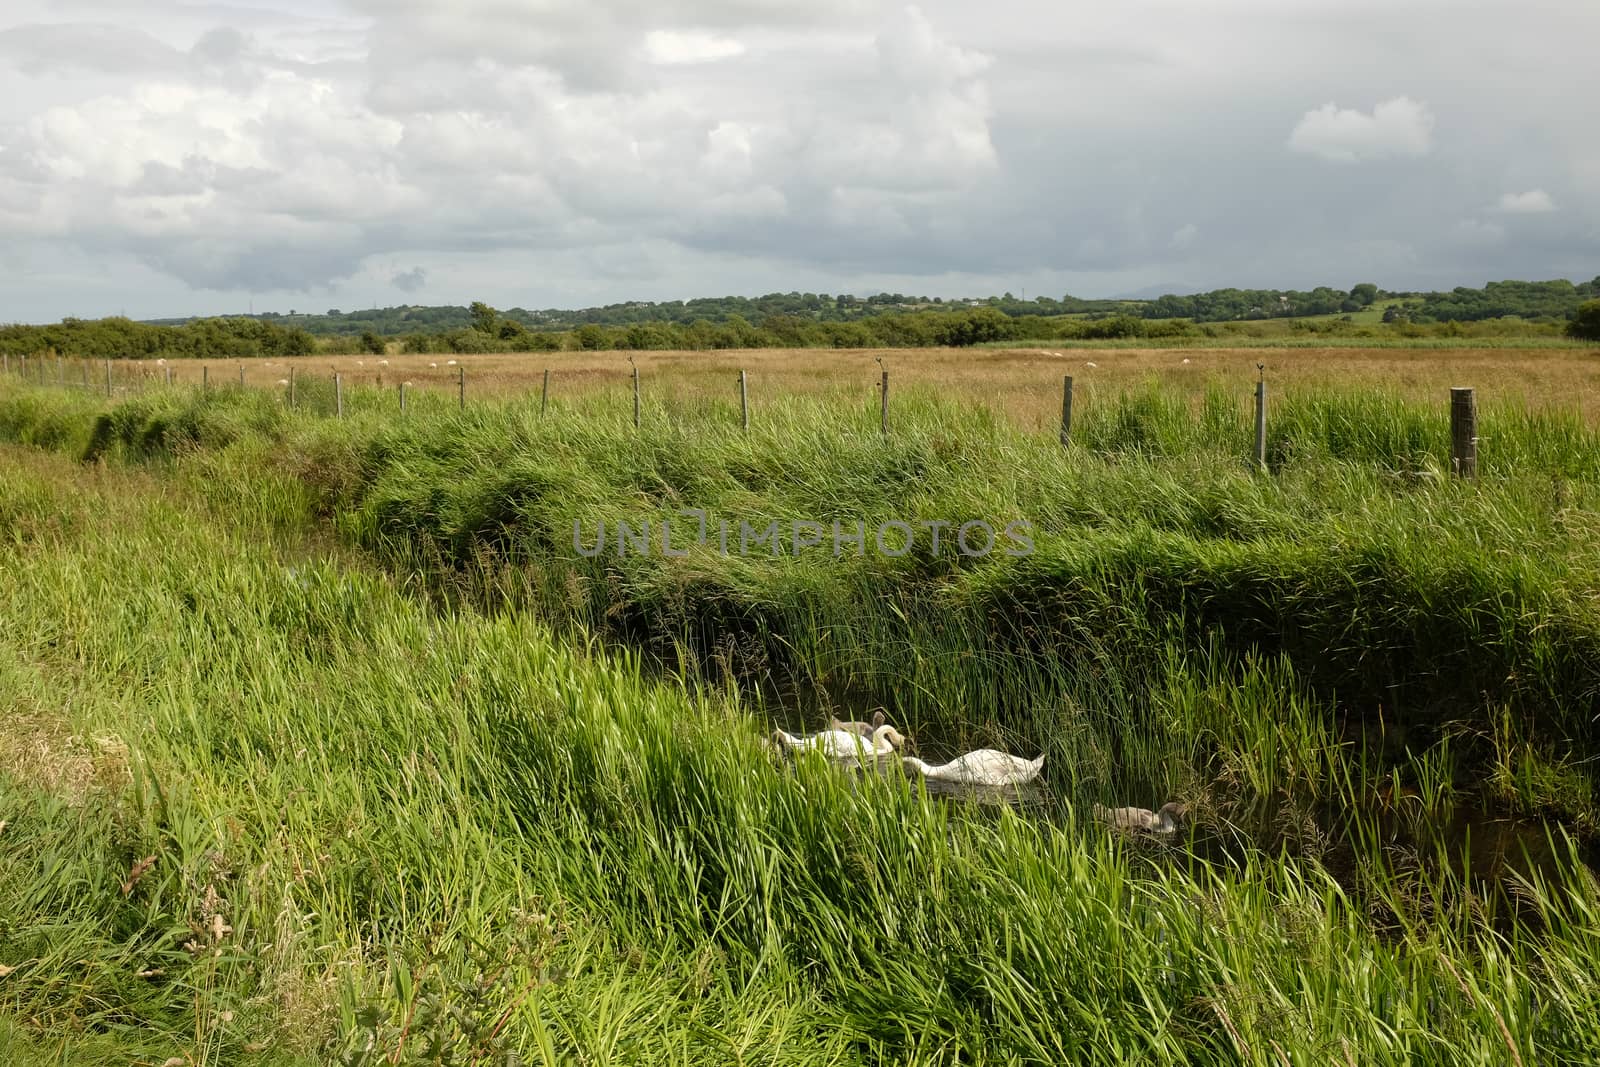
(407, 319)
(801, 320)
(1531, 300)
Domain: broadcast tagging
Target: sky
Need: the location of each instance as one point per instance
(181, 157)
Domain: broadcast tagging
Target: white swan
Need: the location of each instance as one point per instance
(844, 746)
(986, 766)
(865, 729)
(1163, 821)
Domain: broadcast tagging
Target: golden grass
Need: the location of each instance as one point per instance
(1023, 382)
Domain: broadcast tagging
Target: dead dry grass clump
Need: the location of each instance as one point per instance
(40, 749)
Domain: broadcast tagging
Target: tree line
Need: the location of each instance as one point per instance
(1538, 301)
(487, 330)
(490, 331)
(404, 320)
(1236, 305)
(1528, 300)
(118, 338)
(1548, 305)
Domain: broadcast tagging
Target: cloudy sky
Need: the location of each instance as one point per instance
(168, 157)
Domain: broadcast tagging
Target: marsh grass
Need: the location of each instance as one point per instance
(396, 828)
(1386, 605)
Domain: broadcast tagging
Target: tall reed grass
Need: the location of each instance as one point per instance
(1399, 608)
(261, 805)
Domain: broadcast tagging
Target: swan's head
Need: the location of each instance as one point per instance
(888, 733)
(1167, 818)
(879, 718)
(912, 763)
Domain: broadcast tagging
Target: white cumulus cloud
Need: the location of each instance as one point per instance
(1398, 127)
(254, 171)
(669, 46)
(1532, 202)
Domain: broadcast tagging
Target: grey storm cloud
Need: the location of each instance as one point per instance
(174, 155)
(410, 281)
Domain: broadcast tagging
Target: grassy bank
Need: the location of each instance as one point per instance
(1179, 612)
(259, 805)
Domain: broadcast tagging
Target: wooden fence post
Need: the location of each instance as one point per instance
(291, 387)
(883, 396)
(338, 394)
(635, 393)
(1066, 410)
(108, 377)
(1463, 433)
(205, 377)
(544, 397)
(744, 399)
(402, 398)
(168, 369)
(241, 376)
(1261, 418)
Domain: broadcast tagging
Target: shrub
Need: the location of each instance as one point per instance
(1585, 325)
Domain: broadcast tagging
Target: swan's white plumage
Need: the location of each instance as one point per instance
(844, 746)
(986, 766)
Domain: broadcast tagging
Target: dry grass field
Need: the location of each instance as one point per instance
(1025, 383)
